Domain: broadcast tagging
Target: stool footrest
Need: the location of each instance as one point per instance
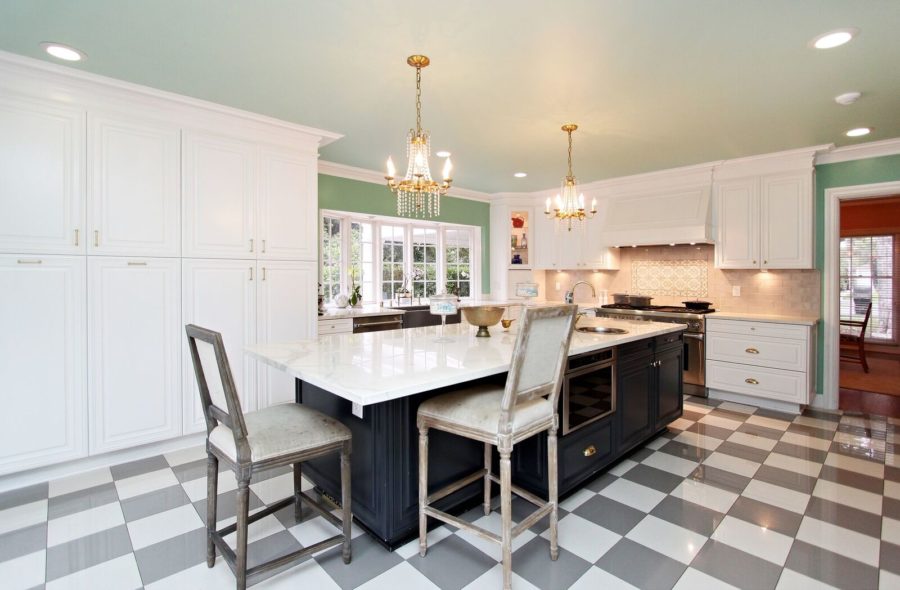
(457, 485)
(462, 524)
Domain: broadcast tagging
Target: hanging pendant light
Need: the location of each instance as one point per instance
(417, 194)
(569, 203)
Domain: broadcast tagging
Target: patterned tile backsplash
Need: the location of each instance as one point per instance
(681, 278)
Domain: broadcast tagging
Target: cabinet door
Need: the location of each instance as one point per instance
(134, 187)
(42, 361)
(594, 254)
(633, 395)
(570, 244)
(219, 295)
(286, 295)
(669, 385)
(544, 246)
(134, 329)
(786, 213)
(737, 245)
(288, 206)
(41, 177)
(219, 197)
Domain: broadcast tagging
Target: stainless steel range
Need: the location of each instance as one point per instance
(694, 335)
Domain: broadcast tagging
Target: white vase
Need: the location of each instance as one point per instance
(341, 300)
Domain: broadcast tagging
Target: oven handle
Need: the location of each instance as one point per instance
(694, 336)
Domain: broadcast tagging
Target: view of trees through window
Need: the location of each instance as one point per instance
(392, 275)
(867, 276)
(424, 270)
(331, 257)
(457, 253)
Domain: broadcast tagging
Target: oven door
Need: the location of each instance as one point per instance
(589, 394)
(694, 364)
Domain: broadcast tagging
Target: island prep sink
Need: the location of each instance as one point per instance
(600, 330)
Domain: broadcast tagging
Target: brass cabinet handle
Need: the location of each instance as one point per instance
(754, 262)
(26, 261)
(590, 451)
(96, 238)
(133, 263)
(765, 262)
(251, 244)
(263, 246)
(752, 351)
(76, 236)
(251, 273)
(751, 381)
(264, 273)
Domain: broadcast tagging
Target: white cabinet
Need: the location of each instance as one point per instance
(42, 360)
(134, 380)
(41, 177)
(544, 247)
(765, 222)
(134, 187)
(285, 311)
(288, 196)
(219, 295)
(557, 248)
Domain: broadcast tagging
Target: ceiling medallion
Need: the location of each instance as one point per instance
(569, 206)
(417, 194)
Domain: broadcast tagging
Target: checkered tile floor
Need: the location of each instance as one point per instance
(731, 496)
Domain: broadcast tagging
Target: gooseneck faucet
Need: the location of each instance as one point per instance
(570, 294)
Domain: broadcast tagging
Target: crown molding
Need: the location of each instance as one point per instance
(374, 177)
(861, 151)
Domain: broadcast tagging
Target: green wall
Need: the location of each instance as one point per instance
(869, 171)
(344, 194)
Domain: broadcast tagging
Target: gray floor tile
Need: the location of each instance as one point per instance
(133, 468)
(869, 454)
(369, 560)
(689, 452)
(600, 482)
(822, 415)
(641, 566)
(226, 505)
(801, 452)
(720, 478)
(523, 508)
(641, 454)
(844, 516)
(87, 551)
(891, 473)
(285, 516)
(730, 414)
(890, 507)
(743, 451)
(190, 471)
(688, 515)
(852, 479)
(708, 430)
(532, 562)
(756, 430)
(692, 416)
(831, 568)
(453, 563)
(610, 514)
(173, 555)
(767, 413)
(822, 433)
(653, 478)
(23, 541)
(765, 515)
(271, 547)
(24, 495)
(873, 433)
(736, 567)
(155, 502)
(786, 479)
(82, 500)
(890, 557)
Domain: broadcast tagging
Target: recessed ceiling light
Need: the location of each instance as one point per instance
(834, 38)
(63, 52)
(442, 154)
(847, 98)
(859, 132)
(520, 174)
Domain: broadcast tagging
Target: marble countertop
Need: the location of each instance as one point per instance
(334, 313)
(763, 317)
(379, 366)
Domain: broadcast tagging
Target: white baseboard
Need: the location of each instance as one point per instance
(759, 402)
(41, 474)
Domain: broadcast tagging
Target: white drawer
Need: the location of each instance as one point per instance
(341, 326)
(762, 351)
(777, 384)
(770, 329)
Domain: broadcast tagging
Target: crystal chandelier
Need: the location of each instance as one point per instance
(417, 194)
(569, 204)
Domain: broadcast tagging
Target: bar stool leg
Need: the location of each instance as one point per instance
(298, 483)
(240, 551)
(423, 490)
(553, 493)
(212, 495)
(487, 478)
(506, 516)
(345, 501)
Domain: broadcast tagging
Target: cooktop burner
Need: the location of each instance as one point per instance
(660, 308)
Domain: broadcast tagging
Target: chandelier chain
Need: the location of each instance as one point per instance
(570, 154)
(418, 101)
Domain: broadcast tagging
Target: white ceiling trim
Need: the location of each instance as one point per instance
(374, 177)
(872, 149)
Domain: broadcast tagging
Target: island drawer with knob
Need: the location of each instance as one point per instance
(762, 351)
(335, 326)
(777, 384)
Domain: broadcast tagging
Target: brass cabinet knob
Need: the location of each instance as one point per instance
(751, 351)
(590, 451)
(751, 381)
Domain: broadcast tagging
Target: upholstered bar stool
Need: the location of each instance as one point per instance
(249, 443)
(502, 417)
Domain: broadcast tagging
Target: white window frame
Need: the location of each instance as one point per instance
(346, 218)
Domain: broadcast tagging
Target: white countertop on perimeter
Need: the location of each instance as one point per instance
(379, 366)
(337, 313)
(763, 317)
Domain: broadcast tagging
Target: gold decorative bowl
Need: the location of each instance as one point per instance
(483, 316)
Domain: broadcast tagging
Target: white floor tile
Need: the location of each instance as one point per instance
(657, 443)
(493, 579)
(200, 576)
(772, 423)
(681, 424)
(671, 464)
(752, 440)
(81, 481)
(840, 540)
(777, 496)
(732, 464)
(80, 524)
(164, 525)
(434, 537)
(196, 488)
(315, 529)
(810, 442)
(188, 455)
(260, 529)
(892, 489)
(622, 468)
(306, 575)
(402, 575)
(149, 482)
(696, 580)
(493, 524)
(862, 442)
(791, 580)
(698, 440)
(273, 489)
(793, 464)
(24, 572)
(633, 494)
(705, 495)
(890, 530)
(888, 581)
(22, 516)
(735, 407)
(576, 499)
(123, 570)
(816, 423)
(697, 409)
(870, 468)
(667, 538)
(596, 578)
(584, 538)
(835, 492)
(753, 539)
(720, 422)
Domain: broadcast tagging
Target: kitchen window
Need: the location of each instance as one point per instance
(867, 276)
(387, 256)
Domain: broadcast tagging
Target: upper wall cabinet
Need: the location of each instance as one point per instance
(134, 187)
(558, 248)
(288, 192)
(41, 177)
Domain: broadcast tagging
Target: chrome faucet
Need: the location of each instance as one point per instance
(570, 294)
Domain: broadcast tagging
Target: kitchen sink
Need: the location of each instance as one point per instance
(600, 330)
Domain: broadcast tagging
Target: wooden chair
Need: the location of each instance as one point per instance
(858, 339)
(502, 417)
(281, 435)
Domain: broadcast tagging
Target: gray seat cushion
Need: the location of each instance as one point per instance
(281, 430)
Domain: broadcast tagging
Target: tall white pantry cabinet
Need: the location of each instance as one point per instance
(126, 213)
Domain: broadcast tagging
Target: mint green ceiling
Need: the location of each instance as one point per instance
(652, 83)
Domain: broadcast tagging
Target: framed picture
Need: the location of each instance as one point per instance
(526, 289)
